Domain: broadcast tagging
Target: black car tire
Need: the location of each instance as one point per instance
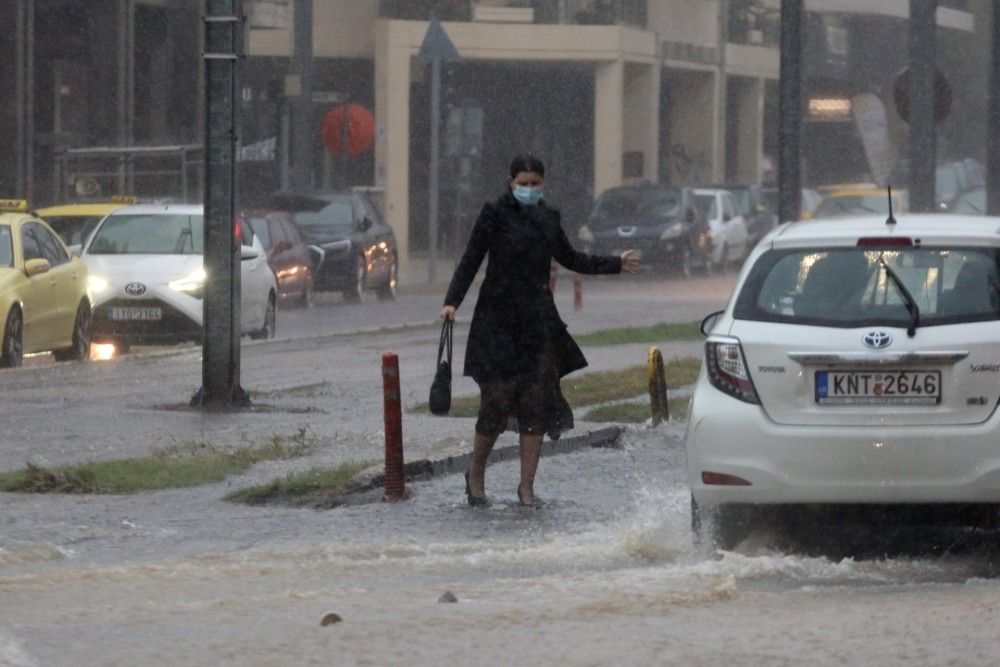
(387, 292)
(354, 289)
(722, 527)
(12, 352)
(305, 299)
(80, 351)
(270, 326)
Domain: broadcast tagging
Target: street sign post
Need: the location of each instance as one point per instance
(220, 386)
(922, 52)
(437, 48)
(790, 112)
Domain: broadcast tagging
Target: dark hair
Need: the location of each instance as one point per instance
(526, 162)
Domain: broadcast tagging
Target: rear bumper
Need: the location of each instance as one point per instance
(845, 465)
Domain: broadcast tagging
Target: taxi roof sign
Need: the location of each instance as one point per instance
(124, 199)
(13, 206)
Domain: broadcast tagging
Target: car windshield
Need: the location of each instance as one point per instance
(708, 204)
(149, 234)
(6, 248)
(851, 287)
(741, 198)
(639, 203)
(73, 229)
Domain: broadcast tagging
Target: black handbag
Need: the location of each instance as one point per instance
(440, 398)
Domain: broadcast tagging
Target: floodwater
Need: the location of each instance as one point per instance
(605, 572)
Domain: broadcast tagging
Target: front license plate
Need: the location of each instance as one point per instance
(878, 387)
(133, 314)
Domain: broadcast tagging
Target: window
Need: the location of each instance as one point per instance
(259, 227)
(633, 203)
(165, 234)
(728, 211)
(709, 204)
(6, 247)
(73, 230)
(29, 245)
(52, 249)
(292, 232)
(851, 287)
(278, 235)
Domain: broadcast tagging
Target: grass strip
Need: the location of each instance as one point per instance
(595, 387)
(634, 413)
(180, 465)
(656, 333)
(304, 488)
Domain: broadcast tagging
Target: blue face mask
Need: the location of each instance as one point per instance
(527, 196)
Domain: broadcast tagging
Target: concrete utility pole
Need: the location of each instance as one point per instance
(922, 56)
(302, 73)
(993, 137)
(24, 99)
(220, 385)
(790, 112)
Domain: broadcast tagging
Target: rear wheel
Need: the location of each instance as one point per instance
(80, 351)
(270, 326)
(355, 287)
(722, 527)
(12, 351)
(387, 292)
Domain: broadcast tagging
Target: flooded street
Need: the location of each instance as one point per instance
(606, 568)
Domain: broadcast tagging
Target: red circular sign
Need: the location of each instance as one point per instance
(360, 130)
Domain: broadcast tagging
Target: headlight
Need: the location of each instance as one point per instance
(194, 284)
(96, 284)
(585, 234)
(672, 232)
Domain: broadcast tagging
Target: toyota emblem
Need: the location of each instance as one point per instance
(135, 289)
(877, 340)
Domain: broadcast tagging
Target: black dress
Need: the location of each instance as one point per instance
(515, 318)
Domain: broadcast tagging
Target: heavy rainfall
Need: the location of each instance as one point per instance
(721, 269)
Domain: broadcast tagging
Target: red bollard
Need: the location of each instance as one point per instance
(395, 482)
(577, 292)
(553, 275)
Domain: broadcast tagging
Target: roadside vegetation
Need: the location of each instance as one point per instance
(656, 333)
(635, 413)
(596, 387)
(180, 465)
(315, 487)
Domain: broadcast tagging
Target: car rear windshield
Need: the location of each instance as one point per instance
(338, 213)
(639, 203)
(151, 234)
(6, 248)
(851, 287)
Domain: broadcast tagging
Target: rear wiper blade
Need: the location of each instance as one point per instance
(911, 303)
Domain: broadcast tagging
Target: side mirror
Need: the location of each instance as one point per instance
(710, 321)
(33, 267)
(248, 252)
(365, 224)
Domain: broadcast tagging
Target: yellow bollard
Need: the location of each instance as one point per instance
(657, 376)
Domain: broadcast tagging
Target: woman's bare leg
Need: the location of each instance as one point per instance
(530, 450)
(481, 448)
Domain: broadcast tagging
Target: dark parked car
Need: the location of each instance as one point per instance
(287, 255)
(352, 248)
(660, 222)
(752, 205)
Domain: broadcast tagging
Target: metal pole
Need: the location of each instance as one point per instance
(302, 66)
(992, 137)
(220, 386)
(20, 96)
(434, 166)
(345, 138)
(922, 54)
(790, 112)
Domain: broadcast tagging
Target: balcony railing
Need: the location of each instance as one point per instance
(591, 12)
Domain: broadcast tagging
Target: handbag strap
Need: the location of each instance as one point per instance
(445, 343)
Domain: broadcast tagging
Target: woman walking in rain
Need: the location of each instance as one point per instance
(518, 347)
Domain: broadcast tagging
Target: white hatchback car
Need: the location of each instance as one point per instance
(857, 363)
(147, 278)
(727, 227)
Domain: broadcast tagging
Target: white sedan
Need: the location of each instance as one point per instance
(147, 278)
(727, 227)
(856, 364)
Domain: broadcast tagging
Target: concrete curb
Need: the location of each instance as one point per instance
(366, 485)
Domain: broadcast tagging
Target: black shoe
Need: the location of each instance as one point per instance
(474, 501)
(520, 499)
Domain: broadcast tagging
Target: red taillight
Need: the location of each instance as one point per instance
(886, 241)
(727, 369)
(722, 479)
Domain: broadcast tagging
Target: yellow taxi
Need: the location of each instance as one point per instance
(43, 290)
(74, 222)
(861, 199)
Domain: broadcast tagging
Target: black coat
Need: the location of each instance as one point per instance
(515, 311)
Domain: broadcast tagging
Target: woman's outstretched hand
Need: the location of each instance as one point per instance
(448, 313)
(630, 263)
